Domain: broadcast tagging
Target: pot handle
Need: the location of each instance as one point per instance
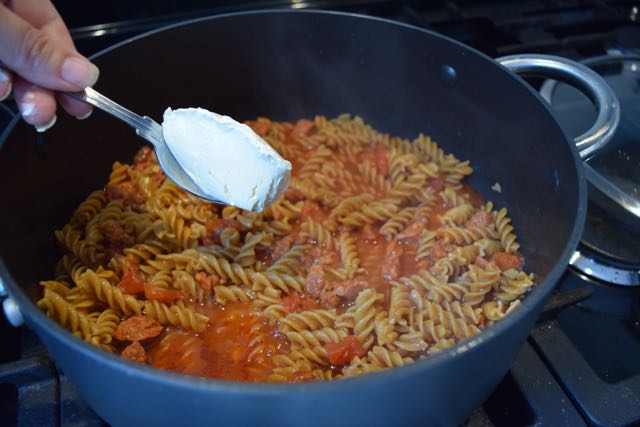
(584, 79)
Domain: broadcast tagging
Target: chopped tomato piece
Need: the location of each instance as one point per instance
(291, 302)
(135, 352)
(506, 260)
(137, 328)
(160, 294)
(133, 279)
(296, 301)
(342, 352)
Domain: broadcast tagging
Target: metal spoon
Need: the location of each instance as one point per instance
(149, 130)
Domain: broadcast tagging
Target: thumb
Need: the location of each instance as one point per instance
(41, 59)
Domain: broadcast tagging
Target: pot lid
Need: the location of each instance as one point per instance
(613, 219)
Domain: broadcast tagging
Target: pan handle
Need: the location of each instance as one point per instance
(584, 79)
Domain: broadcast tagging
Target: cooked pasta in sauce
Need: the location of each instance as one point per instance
(377, 255)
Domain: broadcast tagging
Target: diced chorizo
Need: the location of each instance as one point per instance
(117, 235)
(135, 352)
(349, 289)
(317, 286)
(281, 246)
(481, 218)
(137, 328)
(506, 260)
(315, 281)
(328, 298)
(391, 264)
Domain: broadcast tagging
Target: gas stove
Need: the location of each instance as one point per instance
(579, 365)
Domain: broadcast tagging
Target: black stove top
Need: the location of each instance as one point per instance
(580, 365)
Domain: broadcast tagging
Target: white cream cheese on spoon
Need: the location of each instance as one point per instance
(226, 159)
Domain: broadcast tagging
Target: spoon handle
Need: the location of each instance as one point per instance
(144, 126)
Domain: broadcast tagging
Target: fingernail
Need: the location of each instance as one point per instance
(79, 71)
(42, 128)
(27, 106)
(85, 115)
(5, 82)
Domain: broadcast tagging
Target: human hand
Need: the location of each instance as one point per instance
(38, 59)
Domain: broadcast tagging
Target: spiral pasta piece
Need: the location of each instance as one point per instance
(349, 254)
(75, 321)
(104, 328)
(283, 282)
(385, 358)
(364, 313)
(290, 261)
(308, 320)
(316, 233)
(369, 213)
(505, 231)
(233, 293)
(466, 236)
(107, 293)
(176, 315)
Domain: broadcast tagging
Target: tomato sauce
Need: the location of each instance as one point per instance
(238, 344)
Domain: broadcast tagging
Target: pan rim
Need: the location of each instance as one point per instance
(540, 292)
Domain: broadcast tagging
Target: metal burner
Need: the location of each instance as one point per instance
(586, 263)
